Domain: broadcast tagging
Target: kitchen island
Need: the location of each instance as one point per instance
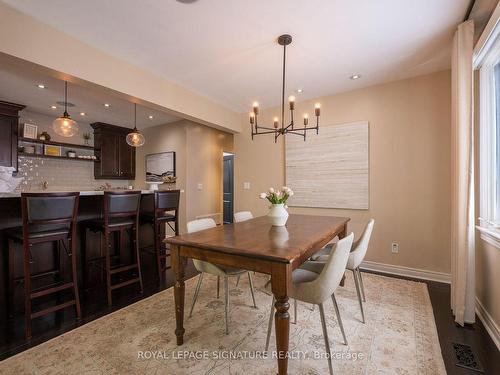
(90, 207)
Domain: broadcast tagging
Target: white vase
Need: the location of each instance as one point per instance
(278, 215)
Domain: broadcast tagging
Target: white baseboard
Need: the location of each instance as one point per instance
(488, 323)
(406, 271)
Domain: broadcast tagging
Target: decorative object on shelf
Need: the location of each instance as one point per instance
(44, 137)
(71, 154)
(154, 185)
(135, 138)
(278, 215)
(277, 130)
(86, 138)
(29, 149)
(65, 125)
(51, 150)
(29, 131)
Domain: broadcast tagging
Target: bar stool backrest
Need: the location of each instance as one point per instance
(121, 204)
(49, 209)
(167, 200)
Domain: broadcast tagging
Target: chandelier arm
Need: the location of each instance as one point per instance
(266, 128)
(267, 132)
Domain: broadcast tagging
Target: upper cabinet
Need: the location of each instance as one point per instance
(9, 119)
(115, 158)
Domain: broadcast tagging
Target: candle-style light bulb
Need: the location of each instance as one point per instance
(291, 100)
(252, 118)
(256, 108)
(276, 122)
(306, 119)
(317, 108)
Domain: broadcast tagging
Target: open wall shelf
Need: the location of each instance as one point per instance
(62, 144)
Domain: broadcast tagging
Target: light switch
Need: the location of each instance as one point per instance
(246, 185)
(200, 186)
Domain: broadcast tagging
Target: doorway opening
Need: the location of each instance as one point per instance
(228, 188)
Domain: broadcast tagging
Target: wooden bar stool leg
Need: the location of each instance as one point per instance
(135, 242)
(108, 267)
(85, 271)
(27, 288)
(74, 277)
(10, 279)
(157, 245)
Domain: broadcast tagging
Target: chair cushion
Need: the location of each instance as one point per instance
(303, 276)
(113, 223)
(39, 232)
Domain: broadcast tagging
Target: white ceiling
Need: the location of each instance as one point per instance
(226, 49)
(18, 84)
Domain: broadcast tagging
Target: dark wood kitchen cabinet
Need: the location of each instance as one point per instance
(115, 158)
(9, 120)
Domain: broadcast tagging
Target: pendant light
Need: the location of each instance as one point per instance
(65, 125)
(135, 138)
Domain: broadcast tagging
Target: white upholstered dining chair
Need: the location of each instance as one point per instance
(242, 216)
(316, 288)
(219, 271)
(359, 249)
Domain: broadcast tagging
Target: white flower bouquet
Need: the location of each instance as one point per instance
(277, 197)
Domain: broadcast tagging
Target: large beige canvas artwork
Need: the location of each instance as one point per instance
(331, 169)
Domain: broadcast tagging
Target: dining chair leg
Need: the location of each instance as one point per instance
(362, 286)
(270, 325)
(226, 293)
(237, 280)
(196, 291)
(294, 311)
(358, 291)
(325, 336)
(218, 286)
(339, 319)
(251, 289)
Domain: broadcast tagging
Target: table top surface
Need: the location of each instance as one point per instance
(257, 238)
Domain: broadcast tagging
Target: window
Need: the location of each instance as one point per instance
(489, 144)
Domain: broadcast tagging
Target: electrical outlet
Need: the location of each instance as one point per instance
(395, 247)
(200, 186)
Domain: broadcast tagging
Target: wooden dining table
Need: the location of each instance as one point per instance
(255, 245)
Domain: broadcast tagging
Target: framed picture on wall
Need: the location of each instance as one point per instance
(160, 167)
(30, 131)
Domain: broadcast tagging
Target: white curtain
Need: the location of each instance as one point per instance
(462, 173)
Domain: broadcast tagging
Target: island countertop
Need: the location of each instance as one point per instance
(17, 194)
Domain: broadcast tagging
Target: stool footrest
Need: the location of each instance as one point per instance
(125, 283)
(50, 290)
(52, 309)
(123, 268)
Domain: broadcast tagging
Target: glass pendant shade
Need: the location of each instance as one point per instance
(135, 139)
(65, 126)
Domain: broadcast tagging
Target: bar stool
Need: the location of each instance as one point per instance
(165, 211)
(121, 214)
(47, 217)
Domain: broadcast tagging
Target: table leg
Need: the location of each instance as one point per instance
(341, 235)
(280, 280)
(178, 265)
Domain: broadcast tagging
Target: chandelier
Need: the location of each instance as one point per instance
(291, 128)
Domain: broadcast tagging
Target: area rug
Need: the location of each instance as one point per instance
(399, 336)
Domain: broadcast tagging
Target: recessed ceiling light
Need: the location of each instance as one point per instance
(355, 76)
(299, 90)
(53, 107)
(40, 86)
(150, 117)
(107, 105)
(82, 113)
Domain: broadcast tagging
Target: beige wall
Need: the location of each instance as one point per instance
(66, 57)
(198, 155)
(409, 167)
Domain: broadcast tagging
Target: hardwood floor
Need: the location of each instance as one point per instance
(12, 332)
